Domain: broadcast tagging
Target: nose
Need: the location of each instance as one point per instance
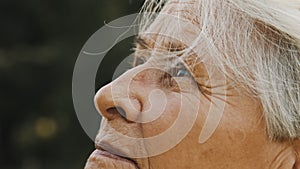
(112, 106)
(115, 100)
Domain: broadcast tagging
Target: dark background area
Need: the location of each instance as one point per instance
(39, 44)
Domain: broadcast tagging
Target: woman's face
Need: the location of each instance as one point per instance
(155, 114)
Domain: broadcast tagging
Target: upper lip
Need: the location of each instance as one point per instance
(113, 149)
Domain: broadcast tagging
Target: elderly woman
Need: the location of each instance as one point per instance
(216, 84)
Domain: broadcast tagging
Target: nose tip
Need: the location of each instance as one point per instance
(103, 102)
(111, 104)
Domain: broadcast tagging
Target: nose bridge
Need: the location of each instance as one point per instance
(135, 82)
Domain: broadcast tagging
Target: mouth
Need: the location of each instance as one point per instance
(119, 157)
(101, 158)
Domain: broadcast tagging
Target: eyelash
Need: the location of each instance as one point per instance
(179, 70)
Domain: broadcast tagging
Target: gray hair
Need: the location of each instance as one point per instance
(259, 43)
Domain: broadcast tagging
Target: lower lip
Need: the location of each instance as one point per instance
(107, 154)
(102, 153)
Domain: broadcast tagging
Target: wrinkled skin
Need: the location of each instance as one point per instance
(97, 160)
(240, 140)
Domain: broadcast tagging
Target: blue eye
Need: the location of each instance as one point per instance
(180, 71)
(183, 72)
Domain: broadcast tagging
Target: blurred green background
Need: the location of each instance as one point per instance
(39, 44)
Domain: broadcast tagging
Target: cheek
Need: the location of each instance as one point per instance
(179, 115)
(170, 110)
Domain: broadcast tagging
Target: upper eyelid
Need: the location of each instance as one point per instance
(143, 56)
(143, 46)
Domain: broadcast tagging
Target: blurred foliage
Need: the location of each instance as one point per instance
(39, 44)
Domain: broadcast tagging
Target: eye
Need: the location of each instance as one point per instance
(177, 75)
(180, 71)
(183, 72)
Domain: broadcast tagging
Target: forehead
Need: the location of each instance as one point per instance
(175, 25)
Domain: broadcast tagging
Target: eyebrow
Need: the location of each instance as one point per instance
(142, 42)
(174, 46)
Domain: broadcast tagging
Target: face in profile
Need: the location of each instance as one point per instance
(178, 108)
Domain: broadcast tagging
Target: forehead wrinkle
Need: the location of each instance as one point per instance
(180, 24)
(167, 34)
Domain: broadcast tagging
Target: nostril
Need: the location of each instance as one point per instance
(117, 110)
(112, 110)
(121, 112)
